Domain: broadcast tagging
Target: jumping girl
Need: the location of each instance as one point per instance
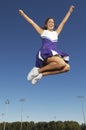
(49, 60)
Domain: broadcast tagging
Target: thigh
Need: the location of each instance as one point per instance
(56, 59)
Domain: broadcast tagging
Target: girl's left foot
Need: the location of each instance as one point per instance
(36, 79)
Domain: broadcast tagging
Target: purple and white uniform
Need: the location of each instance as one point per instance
(49, 48)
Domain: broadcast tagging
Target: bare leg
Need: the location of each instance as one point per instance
(50, 66)
(55, 65)
(65, 69)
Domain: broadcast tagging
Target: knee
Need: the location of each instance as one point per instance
(67, 67)
(61, 65)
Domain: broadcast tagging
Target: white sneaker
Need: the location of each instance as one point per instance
(36, 79)
(33, 73)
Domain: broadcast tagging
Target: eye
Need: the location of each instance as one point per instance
(51, 21)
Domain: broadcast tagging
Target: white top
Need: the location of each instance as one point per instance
(51, 35)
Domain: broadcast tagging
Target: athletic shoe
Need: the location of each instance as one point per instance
(33, 73)
(36, 79)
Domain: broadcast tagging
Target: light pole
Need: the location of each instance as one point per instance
(7, 102)
(82, 106)
(27, 122)
(22, 100)
(3, 119)
(55, 118)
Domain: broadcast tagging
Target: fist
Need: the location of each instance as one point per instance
(21, 11)
(71, 8)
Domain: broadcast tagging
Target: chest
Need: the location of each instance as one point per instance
(52, 36)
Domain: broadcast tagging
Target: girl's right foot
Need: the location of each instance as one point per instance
(33, 73)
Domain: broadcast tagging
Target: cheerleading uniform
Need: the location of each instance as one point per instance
(49, 48)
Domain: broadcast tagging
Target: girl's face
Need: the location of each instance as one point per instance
(50, 24)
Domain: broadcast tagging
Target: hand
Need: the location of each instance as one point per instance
(21, 11)
(71, 8)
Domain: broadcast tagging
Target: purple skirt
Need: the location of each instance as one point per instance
(45, 53)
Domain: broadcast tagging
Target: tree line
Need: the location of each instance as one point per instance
(52, 125)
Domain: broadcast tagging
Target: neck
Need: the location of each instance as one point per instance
(51, 30)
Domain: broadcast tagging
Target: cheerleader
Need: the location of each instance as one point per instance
(49, 59)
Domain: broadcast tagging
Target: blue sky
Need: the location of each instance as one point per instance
(54, 96)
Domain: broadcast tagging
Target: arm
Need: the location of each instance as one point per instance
(29, 20)
(60, 27)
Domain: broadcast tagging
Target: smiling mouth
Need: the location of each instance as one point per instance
(51, 26)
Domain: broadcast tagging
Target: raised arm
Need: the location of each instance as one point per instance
(29, 20)
(60, 27)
